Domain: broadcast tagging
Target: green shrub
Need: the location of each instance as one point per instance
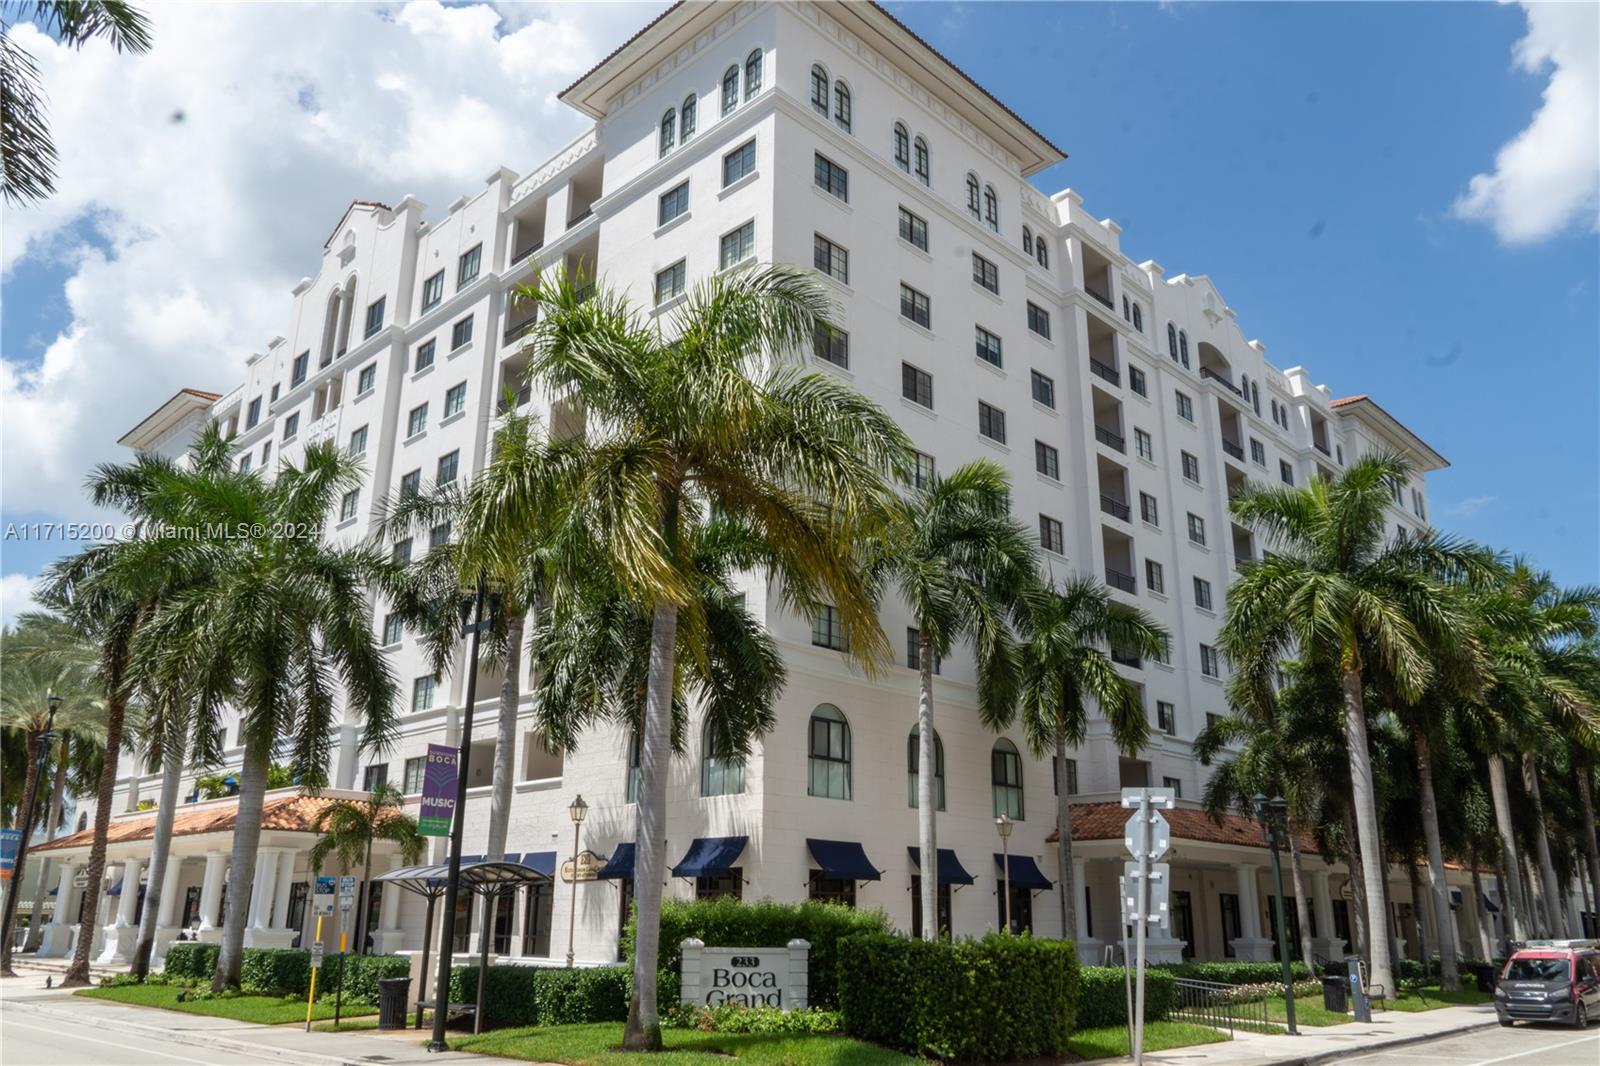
(1103, 1000)
(539, 995)
(360, 974)
(732, 1018)
(277, 971)
(191, 960)
(998, 999)
(1238, 973)
(731, 923)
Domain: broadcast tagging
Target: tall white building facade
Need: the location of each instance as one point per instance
(991, 320)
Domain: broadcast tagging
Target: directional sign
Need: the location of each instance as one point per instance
(1160, 877)
(1160, 835)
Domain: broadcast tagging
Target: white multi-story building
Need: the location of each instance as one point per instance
(992, 320)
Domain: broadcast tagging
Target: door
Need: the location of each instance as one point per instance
(298, 892)
(1021, 909)
(916, 908)
(1231, 925)
(1183, 921)
(539, 903)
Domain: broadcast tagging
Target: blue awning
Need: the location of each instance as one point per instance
(620, 866)
(116, 889)
(951, 872)
(1025, 873)
(844, 860)
(1489, 905)
(512, 856)
(543, 861)
(474, 858)
(710, 857)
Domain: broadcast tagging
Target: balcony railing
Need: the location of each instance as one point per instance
(1110, 439)
(579, 217)
(1114, 507)
(1322, 446)
(510, 403)
(1101, 370)
(1233, 449)
(1211, 375)
(1102, 297)
(1118, 580)
(520, 256)
(1126, 658)
(517, 329)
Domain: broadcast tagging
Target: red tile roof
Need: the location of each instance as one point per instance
(295, 814)
(1105, 821)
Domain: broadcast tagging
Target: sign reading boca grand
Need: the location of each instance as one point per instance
(746, 977)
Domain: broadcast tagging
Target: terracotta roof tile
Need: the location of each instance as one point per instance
(295, 814)
(1105, 821)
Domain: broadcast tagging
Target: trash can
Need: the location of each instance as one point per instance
(392, 995)
(1485, 976)
(1335, 993)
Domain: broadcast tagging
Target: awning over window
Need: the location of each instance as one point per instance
(843, 860)
(1025, 873)
(951, 872)
(116, 889)
(543, 861)
(620, 866)
(469, 858)
(710, 857)
(1489, 905)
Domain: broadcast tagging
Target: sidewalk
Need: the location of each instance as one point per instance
(228, 1037)
(1388, 1029)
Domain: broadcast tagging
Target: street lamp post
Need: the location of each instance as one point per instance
(1273, 814)
(41, 757)
(578, 810)
(1003, 825)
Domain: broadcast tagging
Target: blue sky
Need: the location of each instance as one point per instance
(1307, 157)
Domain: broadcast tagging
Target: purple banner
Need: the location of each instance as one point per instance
(438, 791)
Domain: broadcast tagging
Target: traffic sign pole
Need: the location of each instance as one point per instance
(316, 964)
(1148, 837)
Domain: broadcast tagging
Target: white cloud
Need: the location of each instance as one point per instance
(1471, 505)
(213, 167)
(16, 596)
(1547, 178)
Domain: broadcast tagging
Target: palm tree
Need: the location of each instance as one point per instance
(703, 409)
(1335, 589)
(349, 829)
(961, 563)
(1066, 630)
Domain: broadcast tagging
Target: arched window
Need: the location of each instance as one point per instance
(819, 90)
(1005, 772)
(973, 207)
(913, 758)
(752, 74)
(1127, 311)
(920, 151)
(1244, 386)
(687, 118)
(730, 89)
(841, 105)
(1027, 240)
(1183, 348)
(991, 208)
(1255, 397)
(1138, 317)
(669, 130)
(829, 769)
(720, 774)
(1042, 252)
(902, 147)
(633, 769)
(1172, 341)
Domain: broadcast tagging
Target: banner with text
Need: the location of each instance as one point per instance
(438, 791)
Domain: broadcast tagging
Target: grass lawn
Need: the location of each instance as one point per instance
(264, 1010)
(1306, 1012)
(598, 1044)
(1430, 998)
(1112, 1040)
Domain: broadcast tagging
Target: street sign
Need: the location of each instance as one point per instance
(316, 953)
(347, 892)
(1160, 835)
(1160, 878)
(322, 898)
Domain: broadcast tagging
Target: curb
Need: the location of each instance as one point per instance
(1390, 1045)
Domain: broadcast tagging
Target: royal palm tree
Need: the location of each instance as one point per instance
(350, 828)
(703, 409)
(1335, 589)
(1067, 631)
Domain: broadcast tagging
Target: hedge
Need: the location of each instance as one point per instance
(1238, 973)
(539, 995)
(730, 923)
(191, 961)
(287, 971)
(999, 999)
(1103, 1000)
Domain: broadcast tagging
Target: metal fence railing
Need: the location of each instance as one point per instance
(1221, 1006)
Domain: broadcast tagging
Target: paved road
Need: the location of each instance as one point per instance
(36, 1040)
(1521, 1045)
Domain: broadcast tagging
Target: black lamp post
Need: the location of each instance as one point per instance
(1273, 815)
(578, 811)
(14, 887)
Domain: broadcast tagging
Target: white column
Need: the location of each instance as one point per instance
(1080, 913)
(66, 875)
(58, 934)
(280, 896)
(266, 880)
(211, 891)
(129, 900)
(1249, 903)
(389, 906)
(169, 891)
(1322, 900)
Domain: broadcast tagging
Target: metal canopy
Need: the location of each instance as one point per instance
(479, 876)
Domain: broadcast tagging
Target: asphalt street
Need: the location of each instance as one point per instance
(35, 1040)
(1522, 1045)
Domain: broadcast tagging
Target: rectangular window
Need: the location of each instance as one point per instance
(1050, 538)
(914, 661)
(413, 778)
(669, 282)
(1197, 529)
(738, 163)
(266, 453)
(672, 203)
(1044, 389)
(1148, 510)
(244, 463)
(916, 385)
(827, 631)
(254, 414)
(914, 306)
(401, 555)
(991, 422)
(1167, 718)
(291, 426)
(831, 178)
(424, 357)
(433, 291)
(375, 315)
(410, 484)
(985, 273)
(348, 505)
(439, 534)
(461, 334)
(367, 379)
(467, 268)
(1210, 666)
(274, 398)
(1046, 460)
(1136, 381)
(455, 400)
(922, 472)
(1174, 786)
(913, 230)
(1185, 406)
(831, 345)
(1143, 445)
(393, 630)
(422, 693)
(417, 420)
(1285, 472)
(375, 776)
(1038, 320)
(737, 246)
(1202, 593)
(1154, 579)
(1258, 452)
(987, 346)
(449, 466)
(831, 259)
(298, 372)
(1191, 467)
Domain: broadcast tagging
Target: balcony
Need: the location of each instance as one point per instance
(1118, 580)
(1110, 439)
(1104, 372)
(1115, 508)
(1102, 297)
(520, 256)
(1211, 375)
(1322, 446)
(1233, 449)
(1126, 658)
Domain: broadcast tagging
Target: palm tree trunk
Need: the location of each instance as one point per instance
(27, 814)
(1364, 796)
(1555, 898)
(1302, 906)
(242, 863)
(1064, 872)
(1511, 896)
(1358, 891)
(52, 819)
(927, 832)
(77, 975)
(1419, 914)
(643, 1030)
(161, 849)
(366, 902)
(1449, 975)
(505, 743)
(1387, 907)
(1591, 853)
(1481, 911)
